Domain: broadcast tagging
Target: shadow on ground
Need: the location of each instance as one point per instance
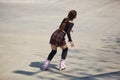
(104, 76)
(107, 76)
(35, 65)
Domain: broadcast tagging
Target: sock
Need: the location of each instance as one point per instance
(51, 55)
(64, 53)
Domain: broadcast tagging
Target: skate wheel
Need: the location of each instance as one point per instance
(45, 69)
(61, 69)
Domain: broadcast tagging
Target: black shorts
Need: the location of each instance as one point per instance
(58, 38)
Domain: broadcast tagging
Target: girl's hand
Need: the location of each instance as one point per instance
(72, 44)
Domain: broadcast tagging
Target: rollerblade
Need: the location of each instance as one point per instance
(62, 65)
(46, 65)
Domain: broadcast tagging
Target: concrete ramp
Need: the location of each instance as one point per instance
(26, 27)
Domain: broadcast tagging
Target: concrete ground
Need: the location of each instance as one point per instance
(25, 29)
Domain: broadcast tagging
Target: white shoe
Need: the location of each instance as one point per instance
(46, 65)
(62, 65)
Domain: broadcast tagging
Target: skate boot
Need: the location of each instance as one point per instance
(62, 65)
(46, 65)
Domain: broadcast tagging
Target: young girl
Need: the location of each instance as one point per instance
(58, 40)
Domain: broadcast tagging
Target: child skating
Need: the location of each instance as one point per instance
(58, 40)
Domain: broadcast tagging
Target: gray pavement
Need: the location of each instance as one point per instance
(25, 29)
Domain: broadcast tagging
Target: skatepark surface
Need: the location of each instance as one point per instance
(26, 27)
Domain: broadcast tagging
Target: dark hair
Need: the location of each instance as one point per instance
(72, 14)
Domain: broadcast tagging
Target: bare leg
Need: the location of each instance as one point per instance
(53, 47)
